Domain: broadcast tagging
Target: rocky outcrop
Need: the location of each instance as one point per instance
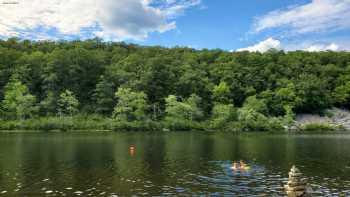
(334, 117)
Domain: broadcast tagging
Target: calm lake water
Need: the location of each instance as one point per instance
(183, 164)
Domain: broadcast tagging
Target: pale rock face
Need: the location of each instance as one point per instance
(340, 117)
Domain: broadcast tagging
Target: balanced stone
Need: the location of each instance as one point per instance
(297, 184)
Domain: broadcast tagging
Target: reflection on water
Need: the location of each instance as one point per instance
(240, 166)
(122, 164)
(132, 150)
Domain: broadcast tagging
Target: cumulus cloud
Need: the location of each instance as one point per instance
(263, 46)
(323, 47)
(318, 15)
(271, 43)
(111, 19)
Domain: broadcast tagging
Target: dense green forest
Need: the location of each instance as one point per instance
(117, 85)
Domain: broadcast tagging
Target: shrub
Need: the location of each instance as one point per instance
(319, 127)
(222, 115)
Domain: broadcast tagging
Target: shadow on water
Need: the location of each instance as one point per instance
(107, 164)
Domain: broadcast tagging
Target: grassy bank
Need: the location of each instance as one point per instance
(58, 123)
(100, 123)
(321, 127)
(89, 122)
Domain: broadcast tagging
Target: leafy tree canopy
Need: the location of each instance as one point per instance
(131, 105)
(275, 83)
(18, 102)
(67, 103)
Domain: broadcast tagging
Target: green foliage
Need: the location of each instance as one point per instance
(104, 96)
(18, 102)
(250, 119)
(131, 105)
(75, 68)
(269, 87)
(282, 97)
(137, 126)
(313, 93)
(182, 125)
(48, 105)
(183, 115)
(174, 108)
(341, 94)
(67, 103)
(251, 116)
(319, 127)
(287, 95)
(222, 115)
(187, 110)
(64, 123)
(195, 112)
(288, 118)
(221, 93)
(257, 105)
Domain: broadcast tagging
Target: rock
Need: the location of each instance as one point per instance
(338, 117)
(295, 193)
(297, 184)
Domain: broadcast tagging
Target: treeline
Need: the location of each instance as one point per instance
(181, 87)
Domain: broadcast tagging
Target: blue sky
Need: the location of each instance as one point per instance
(253, 25)
(222, 24)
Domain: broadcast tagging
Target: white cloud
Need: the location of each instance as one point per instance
(271, 43)
(111, 19)
(318, 15)
(323, 47)
(263, 46)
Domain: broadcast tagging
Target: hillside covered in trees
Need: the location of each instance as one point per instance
(124, 85)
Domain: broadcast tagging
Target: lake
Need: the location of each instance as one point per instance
(185, 164)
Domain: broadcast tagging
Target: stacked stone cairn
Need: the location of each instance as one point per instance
(297, 184)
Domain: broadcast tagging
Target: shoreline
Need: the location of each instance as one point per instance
(335, 121)
(142, 128)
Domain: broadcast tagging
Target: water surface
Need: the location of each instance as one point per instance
(183, 164)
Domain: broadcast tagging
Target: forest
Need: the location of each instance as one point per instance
(94, 84)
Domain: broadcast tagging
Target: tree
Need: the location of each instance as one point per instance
(221, 93)
(194, 80)
(314, 93)
(252, 120)
(104, 96)
(258, 105)
(266, 85)
(18, 102)
(288, 118)
(341, 94)
(287, 96)
(67, 103)
(158, 79)
(76, 69)
(277, 100)
(48, 105)
(251, 116)
(186, 110)
(174, 109)
(195, 112)
(131, 105)
(30, 71)
(222, 114)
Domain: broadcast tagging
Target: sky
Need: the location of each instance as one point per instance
(253, 25)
